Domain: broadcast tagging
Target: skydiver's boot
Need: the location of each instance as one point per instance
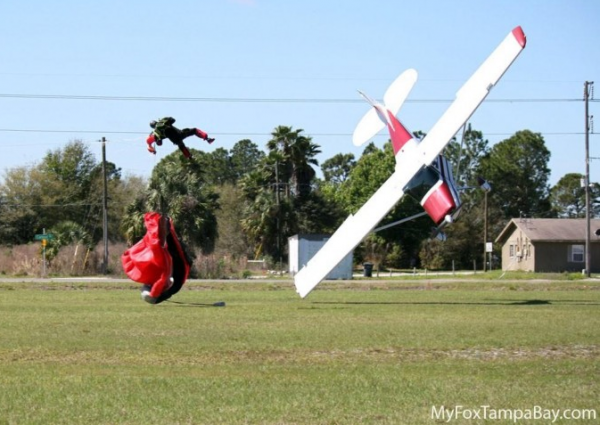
(186, 152)
(204, 136)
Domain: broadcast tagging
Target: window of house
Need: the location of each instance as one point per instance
(511, 249)
(576, 253)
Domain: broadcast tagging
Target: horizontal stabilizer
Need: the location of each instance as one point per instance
(399, 90)
(394, 97)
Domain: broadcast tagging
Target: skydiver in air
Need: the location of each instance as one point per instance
(164, 129)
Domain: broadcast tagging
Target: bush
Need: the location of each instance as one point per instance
(220, 267)
(71, 260)
(21, 260)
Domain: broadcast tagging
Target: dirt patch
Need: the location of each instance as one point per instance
(302, 356)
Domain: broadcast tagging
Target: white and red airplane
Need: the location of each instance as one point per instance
(420, 169)
(433, 185)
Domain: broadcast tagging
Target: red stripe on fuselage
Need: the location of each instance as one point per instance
(398, 133)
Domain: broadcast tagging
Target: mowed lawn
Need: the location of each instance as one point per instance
(359, 353)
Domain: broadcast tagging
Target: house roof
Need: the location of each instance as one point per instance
(551, 229)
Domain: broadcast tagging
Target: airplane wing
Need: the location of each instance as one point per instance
(350, 233)
(394, 97)
(357, 226)
(471, 94)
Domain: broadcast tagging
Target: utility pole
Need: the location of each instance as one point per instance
(44, 253)
(486, 187)
(278, 200)
(587, 88)
(485, 231)
(104, 209)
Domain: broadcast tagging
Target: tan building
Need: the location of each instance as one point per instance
(548, 244)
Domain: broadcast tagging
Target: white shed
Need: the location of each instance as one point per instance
(303, 247)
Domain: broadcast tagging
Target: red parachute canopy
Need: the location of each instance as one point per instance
(157, 258)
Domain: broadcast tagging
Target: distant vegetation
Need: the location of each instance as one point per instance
(244, 203)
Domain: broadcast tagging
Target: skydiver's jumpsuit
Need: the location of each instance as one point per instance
(164, 129)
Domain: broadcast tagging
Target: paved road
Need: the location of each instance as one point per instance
(274, 278)
(383, 278)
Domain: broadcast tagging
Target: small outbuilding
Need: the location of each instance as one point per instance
(549, 244)
(302, 247)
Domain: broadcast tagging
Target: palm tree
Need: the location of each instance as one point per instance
(298, 153)
(304, 154)
(68, 233)
(260, 223)
(280, 200)
(132, 223)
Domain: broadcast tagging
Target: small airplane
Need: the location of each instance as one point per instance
(420, 169)
(432, 185)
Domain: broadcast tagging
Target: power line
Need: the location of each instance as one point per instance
(253, 100)
(245, 135)
(258, 77)
(31, 130)
(48, 205)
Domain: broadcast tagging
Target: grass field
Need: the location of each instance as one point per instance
(351, 353)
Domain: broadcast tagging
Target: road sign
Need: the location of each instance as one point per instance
(44, 236)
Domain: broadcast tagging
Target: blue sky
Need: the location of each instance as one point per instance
(308, 58)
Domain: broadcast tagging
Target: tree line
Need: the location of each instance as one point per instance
(247, 201)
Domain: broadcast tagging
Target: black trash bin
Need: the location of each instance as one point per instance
(368, 269)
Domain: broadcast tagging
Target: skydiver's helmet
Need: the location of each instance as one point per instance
(153, 124)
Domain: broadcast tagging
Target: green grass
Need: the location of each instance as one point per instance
(351, 353)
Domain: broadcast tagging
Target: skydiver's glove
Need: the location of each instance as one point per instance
(150, 141)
